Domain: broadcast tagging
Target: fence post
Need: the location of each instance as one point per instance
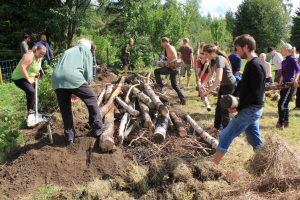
(1, 80)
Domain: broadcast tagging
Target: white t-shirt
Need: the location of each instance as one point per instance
(277, 60)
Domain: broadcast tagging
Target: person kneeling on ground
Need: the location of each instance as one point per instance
(251, 100)
(26, 71)
(171, 56)
(70, 80)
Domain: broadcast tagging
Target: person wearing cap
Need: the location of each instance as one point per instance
(276, 61)
(290, 73)
(71, 79)
(171, 56)
(186, 54)
(24, 44)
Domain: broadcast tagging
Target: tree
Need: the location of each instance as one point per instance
(295, 33)
(266, 21)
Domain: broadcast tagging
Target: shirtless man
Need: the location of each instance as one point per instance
(171, 56)
(268, 68)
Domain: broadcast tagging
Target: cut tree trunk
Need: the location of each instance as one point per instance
(109, 90)
(127, 100)
(122, 126)
(106, 140)
(112, 97)
(204, 135)
(127, 107)
(161, 129)
(141, 96)
(159, 105)
(146, 116)
(162, 97)
(101, 97)
(178, 124)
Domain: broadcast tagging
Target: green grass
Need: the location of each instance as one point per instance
(12, 117)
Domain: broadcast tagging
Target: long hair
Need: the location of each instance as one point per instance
(211, 48)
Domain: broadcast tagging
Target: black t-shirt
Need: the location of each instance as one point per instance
(252, 85)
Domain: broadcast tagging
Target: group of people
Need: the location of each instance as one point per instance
(74, 73)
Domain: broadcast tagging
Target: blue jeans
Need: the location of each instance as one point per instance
(246, 120)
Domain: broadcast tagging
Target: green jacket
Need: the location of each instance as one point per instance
(74, 69)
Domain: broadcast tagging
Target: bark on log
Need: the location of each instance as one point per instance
(127, 107)
(101, 97)
(146, 116)
(161, 129)
(106, 140)
(127, 100)
(112, 97)
(159, 105)
(204, 135)
(162, 97)
(178, 124)
(279, 86)
(141, 96)
(109, 90)
(122, 126)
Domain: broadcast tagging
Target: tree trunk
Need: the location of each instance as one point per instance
(122, 126)
(146, 117)
(106, 140)
(162, 97)
(101, 97)
(128, 108)
(159, 105)
(204, 135)
(141, 96)
(161, 129)
(178, 124)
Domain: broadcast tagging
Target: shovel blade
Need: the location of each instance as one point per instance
(34, 119)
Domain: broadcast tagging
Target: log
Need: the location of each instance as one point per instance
(101, 97)
(112, 97)
(106, 140)
(129, 129)
(162, 97)
(229, 101)
(204, 135)
(158, 104)
(276, 86)
(161, 129)
(127, 107)
(178, 124)
(141, 96)
(127, 100)
(122, 126)
(146, 116)
(108, 92)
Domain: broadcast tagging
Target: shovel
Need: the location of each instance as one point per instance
(35, 118)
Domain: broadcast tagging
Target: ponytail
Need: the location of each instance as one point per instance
(211, 48)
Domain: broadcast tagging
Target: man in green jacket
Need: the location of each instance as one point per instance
(70, 80)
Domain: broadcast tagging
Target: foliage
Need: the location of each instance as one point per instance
(267, 21)
(295, 37)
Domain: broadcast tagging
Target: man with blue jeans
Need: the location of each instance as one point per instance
(251, 100)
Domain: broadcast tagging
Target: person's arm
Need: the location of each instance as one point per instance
(51, 53)
(192, 58)
(297, 73)
(219, 76)
(208, 78)
(204, 69)
(27, 60)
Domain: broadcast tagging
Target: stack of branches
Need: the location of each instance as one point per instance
(136, 112)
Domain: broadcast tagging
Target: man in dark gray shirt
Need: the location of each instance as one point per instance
(24, 44)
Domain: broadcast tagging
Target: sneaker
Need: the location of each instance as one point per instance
(98, 132)
(280, 125)
(70, 137)
(286, 124)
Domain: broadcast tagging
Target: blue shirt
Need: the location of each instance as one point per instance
(236, 62)
(48, 55)
(290, 66)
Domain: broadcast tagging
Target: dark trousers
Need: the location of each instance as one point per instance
(28, 88)
(298, 98)
(222, 117)
(173, 77)
(85, 93)
(283, 104)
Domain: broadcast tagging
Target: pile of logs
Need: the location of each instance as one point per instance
(133, 102)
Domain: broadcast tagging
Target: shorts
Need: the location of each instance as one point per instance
(125, 61)
(186, 69)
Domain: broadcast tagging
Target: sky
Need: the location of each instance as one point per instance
(220, 7)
